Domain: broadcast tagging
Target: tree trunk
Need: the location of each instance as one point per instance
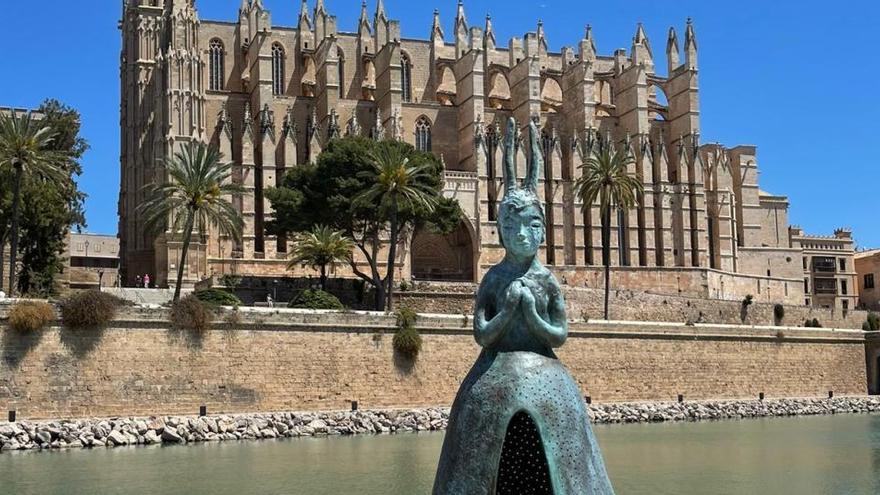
(13, 229)
(324, 278)
(392, 254)
(380, 295)
(181, 263)
(606, 254)
(2, 257)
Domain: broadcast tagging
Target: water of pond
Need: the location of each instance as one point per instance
(817, 455)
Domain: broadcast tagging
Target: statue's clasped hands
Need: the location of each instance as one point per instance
(519, 293)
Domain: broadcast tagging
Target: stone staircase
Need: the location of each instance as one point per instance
(150, 297)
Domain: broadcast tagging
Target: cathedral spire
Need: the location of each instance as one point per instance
(364, 21)
(320, 9)
(436, 27)
(672, 54)
(489, 38)
(641, 49)
(690, 45)
(461, 31)
(641, 38)
(588, 44)
(380, 11)
(304, 21)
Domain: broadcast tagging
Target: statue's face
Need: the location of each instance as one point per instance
(522, 230)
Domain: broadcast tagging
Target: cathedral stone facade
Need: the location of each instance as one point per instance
(271, 97)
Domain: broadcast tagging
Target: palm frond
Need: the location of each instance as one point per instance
(198, 183)
(25, 142)
(319, 247)
(605, 179)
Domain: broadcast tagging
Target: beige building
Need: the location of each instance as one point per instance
(92, 261)
(867, 267)
(270, 97)
(829, 268)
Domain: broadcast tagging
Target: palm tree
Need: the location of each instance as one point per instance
(398, 184)
(25, 148)
(605, 178)
(196, 195)
(321, 247)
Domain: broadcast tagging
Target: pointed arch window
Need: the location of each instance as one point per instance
(547, 145)
(341, 67)
(277, 69)
(215, 64)
(423, 134)
(406, 78)
(492, 141)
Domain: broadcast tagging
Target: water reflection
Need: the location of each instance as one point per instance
(821, 455)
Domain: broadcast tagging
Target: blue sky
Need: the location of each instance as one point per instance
(799, 79)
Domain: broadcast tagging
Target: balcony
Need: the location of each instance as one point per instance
(824, 265)
(825, 286)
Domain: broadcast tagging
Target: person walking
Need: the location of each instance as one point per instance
(146, 281)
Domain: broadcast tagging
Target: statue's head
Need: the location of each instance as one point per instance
(521, 213)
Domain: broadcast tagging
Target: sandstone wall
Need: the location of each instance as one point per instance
(630, 305)
(289, 360)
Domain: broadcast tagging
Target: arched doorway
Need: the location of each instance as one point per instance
(443, 257)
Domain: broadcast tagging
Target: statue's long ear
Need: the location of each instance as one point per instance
(509, 154)
(536, 164)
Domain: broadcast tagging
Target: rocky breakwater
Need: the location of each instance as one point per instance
(27, 435)
(730, 409)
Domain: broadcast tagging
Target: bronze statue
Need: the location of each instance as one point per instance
(519, 424)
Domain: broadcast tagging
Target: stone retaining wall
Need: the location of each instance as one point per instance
(299, 360)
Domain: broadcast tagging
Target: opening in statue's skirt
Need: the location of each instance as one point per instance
(520, 426)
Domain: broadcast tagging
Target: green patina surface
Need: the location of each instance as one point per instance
(519, 319)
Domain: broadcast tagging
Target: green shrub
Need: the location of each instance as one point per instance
(406, 317)
(30, 316)
(230, 281)
(866, 326)
(217, 297)
(89, 309)
(872, 323)
(778, 312)
(407, 340)
(190, 313)
(748, 300)
(814, 323)
(315, 299)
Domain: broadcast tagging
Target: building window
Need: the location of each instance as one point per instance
(277, 69)
(806, 286)
(406, 78)
(423, 134)
(842, 264)
(805, 263)
(869, 281)
(843, 287)
(341, 66)
(824, 264)
(215, 65)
